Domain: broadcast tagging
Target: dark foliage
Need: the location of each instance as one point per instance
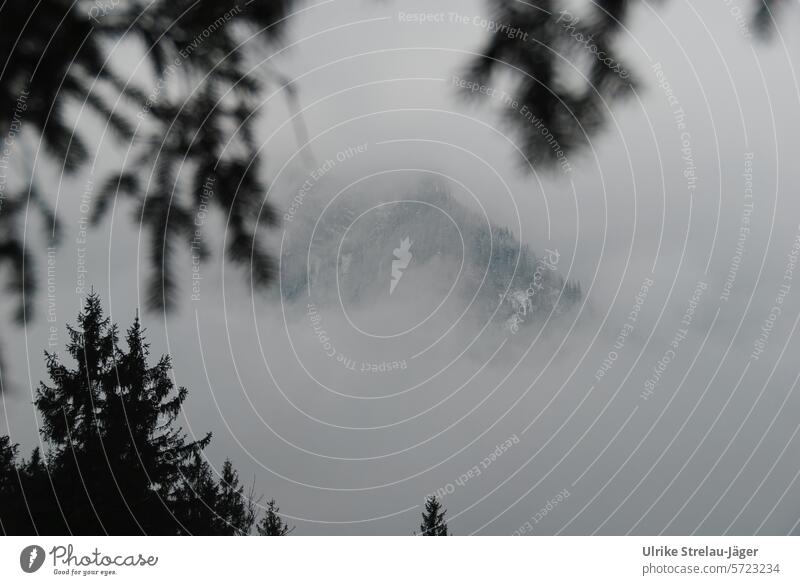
(565, 69)
(765, 15)
(117, 463)
(272, 524)
(433, 523)
(55, 55)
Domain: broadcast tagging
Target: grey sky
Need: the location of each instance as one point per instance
(712, 448)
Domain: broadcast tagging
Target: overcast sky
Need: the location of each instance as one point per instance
(705, 442)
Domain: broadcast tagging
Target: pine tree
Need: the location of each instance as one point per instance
(72, 421)
(236, 511)
(117, 462)
(272, 524)
(433, 523)
(8, 470)
(71, 406)
(196, 498)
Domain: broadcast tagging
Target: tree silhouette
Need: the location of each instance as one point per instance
(188, 131)
(8, 479)
(272, 524)
(117, 462)
(433, 523)
(236, 510)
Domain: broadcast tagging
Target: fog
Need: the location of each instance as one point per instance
(662, 402)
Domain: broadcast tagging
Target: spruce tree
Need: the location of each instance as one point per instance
(235, 509)
(72, 412)
(9, 483)
(196, 498)
(8, 470)
(117, 462)
(272, 524)
(433, 523)
(156, 459)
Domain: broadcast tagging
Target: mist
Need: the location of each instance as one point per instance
(661, 401)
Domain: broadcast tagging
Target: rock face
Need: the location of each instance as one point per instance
(362, 249)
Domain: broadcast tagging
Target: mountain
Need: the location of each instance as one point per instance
(362, 248)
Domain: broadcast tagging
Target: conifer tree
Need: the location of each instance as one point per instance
(433, 523)
(272, 524)
(117, 463)
(196, 498)
(40, 509)
(8, 470)
(9, 481)
(236, 510)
